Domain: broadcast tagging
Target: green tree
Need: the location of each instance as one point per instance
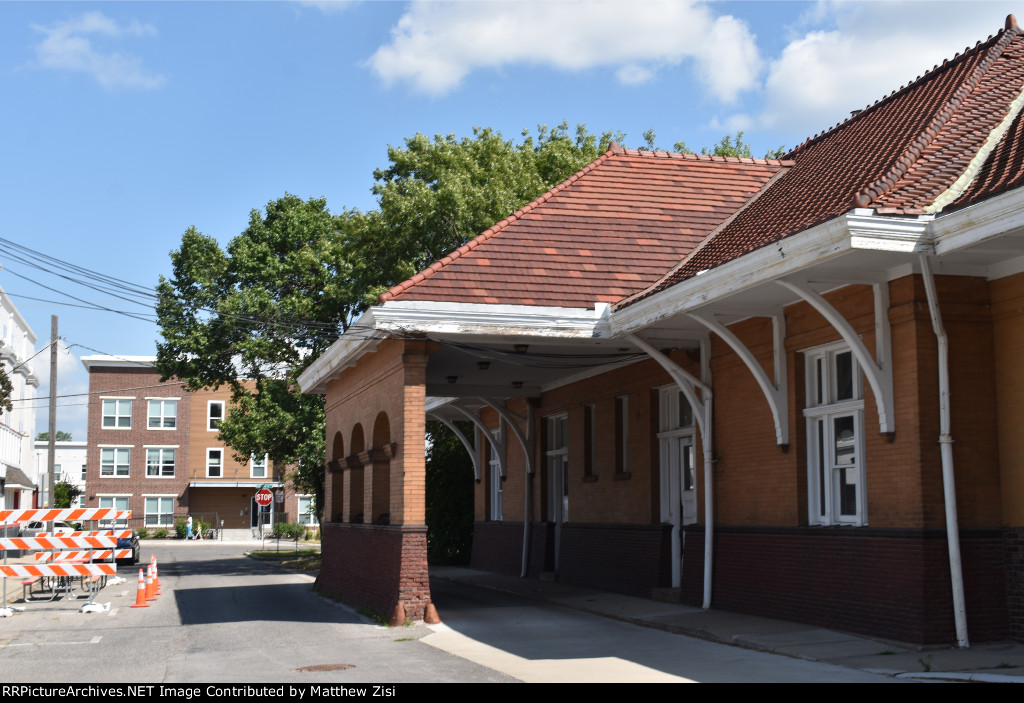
(64, 494)
(251, 317)
(61, 436)
(449, 497)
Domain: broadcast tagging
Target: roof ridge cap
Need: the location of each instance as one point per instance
(652, 153)
(946, 63)
(494, 229)
(912, 152)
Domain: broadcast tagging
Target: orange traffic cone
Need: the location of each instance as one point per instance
(140, 593)
(150, 594)
(156, 577)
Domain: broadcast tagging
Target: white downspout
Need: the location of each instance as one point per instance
(706, 442)
(946, 450)
(526, 478)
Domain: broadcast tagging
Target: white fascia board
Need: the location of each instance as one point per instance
(118, 361)
(982, 221)
(361, 337)
(429, 317)
(18, 317)
(853, 231)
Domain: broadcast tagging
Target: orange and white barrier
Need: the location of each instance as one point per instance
(73, 570)
(66, 514)
(57, 542)
(116, 534)
(94, 555)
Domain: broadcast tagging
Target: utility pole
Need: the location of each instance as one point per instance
(52, 493)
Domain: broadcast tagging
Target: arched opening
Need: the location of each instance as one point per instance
(355, 486)
(381, 470)
(336, 498)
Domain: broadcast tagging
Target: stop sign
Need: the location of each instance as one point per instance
(264, 497)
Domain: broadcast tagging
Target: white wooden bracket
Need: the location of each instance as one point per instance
(470, 449)
(686, 381)
(775, 392)
(487, 433)
(510, 419)
(878, 373)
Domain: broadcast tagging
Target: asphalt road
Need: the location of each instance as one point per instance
(221, 618)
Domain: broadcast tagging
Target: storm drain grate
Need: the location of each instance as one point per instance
(326, 667)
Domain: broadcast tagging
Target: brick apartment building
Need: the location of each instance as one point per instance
(791, 388)
(153, 448)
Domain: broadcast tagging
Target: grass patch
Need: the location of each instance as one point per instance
(303, 559)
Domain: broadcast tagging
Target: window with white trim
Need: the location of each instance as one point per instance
(114, 461)
(160, 462)
(558, 467)
(494, 472)
(306, 514)
(116, 503)
(159, 511)
(163, 414)
(258, 466)
(835, 437)
(117, 414)
(214, 415)
(214, 463)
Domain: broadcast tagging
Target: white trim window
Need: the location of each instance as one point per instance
(214, 415)
(160, 462)
(117, 503)
(114, 462)
(214, 463)
(163, 414)
(117, 414)
(494, 470)
(557, 455)
(677, 457)
(835, 437)
(306, 516)
(159, 511)
(258, 466)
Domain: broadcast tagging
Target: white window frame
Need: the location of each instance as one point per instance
(220, 462)
(253, 465)
(161, 463)
(162, 417)
(494, 469)
(161, 504)
(117, 501)
(119, 453)
(210, 419)
(677, 438)
(117, 415)
(557, 454)
(308, 517)
(827, 474)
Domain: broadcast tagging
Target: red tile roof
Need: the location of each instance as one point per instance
(897, 156)
(634, 223)
(608, 231)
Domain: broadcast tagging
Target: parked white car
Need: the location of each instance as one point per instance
(33, 528)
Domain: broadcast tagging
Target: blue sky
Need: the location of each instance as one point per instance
(125, 122)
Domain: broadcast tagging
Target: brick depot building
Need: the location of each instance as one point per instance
(791, 388)
(153, 448)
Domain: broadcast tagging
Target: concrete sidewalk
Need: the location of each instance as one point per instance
(992, 662)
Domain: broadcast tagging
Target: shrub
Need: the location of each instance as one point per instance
(179, 527)
(161, 533)
(143, 533)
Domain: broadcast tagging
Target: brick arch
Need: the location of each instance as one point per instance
(381, 468)
(357, 447)
(338, 447)
(335, 497)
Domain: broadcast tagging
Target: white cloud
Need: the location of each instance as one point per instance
(435, 45)
(67, 46)
(863, 52)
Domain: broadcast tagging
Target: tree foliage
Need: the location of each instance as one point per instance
(449, 497)
(61, 436)
(64, 494)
